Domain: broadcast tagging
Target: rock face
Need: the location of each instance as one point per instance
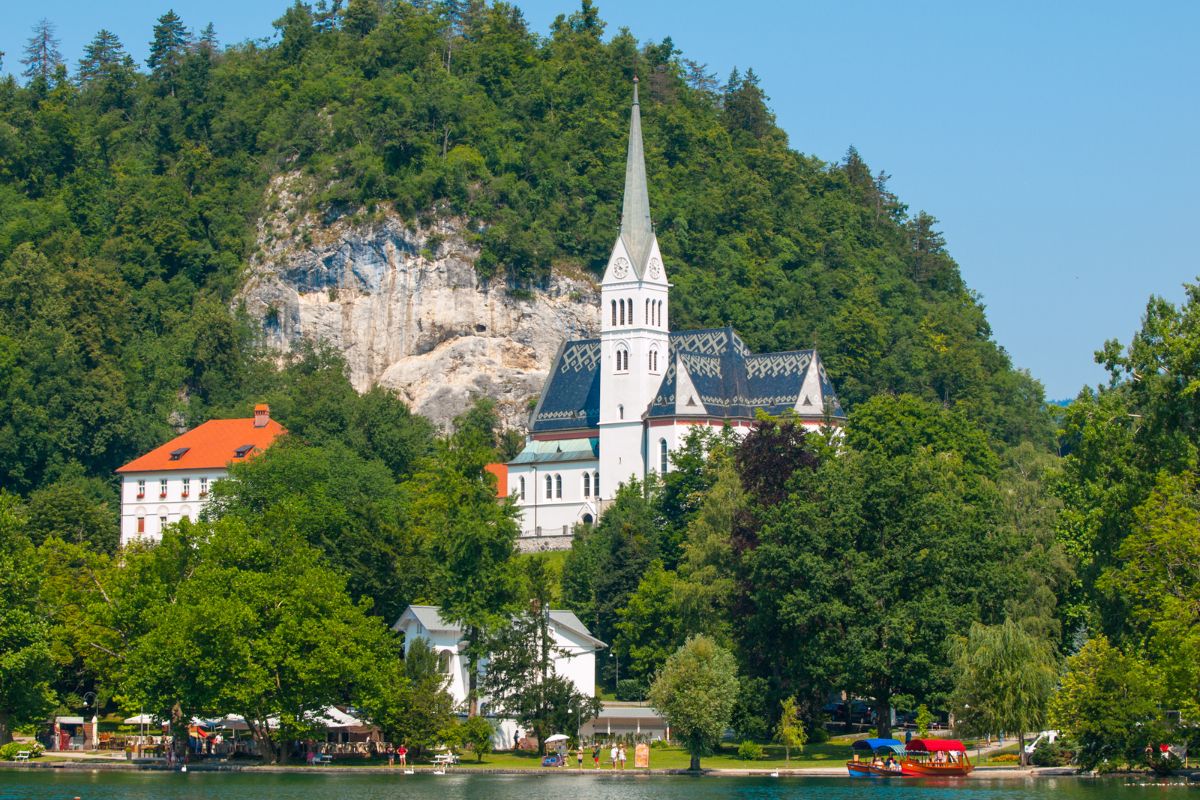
(404, 305)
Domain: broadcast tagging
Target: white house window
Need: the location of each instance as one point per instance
(614, 312)
(204, 487)
(162, 522)
(162, 488)
(549, 488)
(558, 486)
(622, 359)
(621, 305)
(662, 456)
(521, 488)
(141, 524)
(187, 486)
(587, 484)
(141, 489)
(444, 662)
(620, 412)
(652, 360)
(596, 483)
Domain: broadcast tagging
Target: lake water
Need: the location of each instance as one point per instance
(46, 785)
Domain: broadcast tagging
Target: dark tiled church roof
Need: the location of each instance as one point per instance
(720, 378)
(571, 397)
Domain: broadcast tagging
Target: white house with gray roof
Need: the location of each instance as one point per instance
(615, 407)
(573, 644)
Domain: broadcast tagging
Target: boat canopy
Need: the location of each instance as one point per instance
(878, 744)
(935, 746)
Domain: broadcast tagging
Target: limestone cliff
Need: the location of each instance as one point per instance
(403, 303)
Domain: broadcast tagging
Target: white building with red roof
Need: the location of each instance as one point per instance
(173, 481)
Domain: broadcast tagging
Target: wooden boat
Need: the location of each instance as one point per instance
(876, 766)
(928, 758)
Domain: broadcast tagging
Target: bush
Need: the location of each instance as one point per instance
(9, 751)
(630, 689)
(750, 751)
(1005, 758)
(817, 734)
(1052, 754)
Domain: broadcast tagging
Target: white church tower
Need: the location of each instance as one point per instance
(634, 325)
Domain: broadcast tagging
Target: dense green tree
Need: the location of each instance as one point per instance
(1105, 704)
(75, 509)
(1157, 578)
(26, 666)
(261, 627)
(1003, 679)
(520, 680)
(696, 691)
(790, 731)
(649, 628)
(168, 49)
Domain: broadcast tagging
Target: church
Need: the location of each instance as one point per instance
(613, 408)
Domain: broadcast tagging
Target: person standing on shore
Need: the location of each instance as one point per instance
(579, 756)
(621, 756)
(596, 755)
(403, 753)
(613, 756)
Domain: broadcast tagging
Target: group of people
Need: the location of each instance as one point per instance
(616, 756)
(890, 764)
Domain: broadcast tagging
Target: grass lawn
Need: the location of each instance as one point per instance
(830, 754)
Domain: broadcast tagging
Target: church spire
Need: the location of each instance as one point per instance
(636, 229)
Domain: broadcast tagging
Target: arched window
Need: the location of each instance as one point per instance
(622, 359)
(662, 456)
(444, 662)
(652, 360)
(587, 520)
(521, 487)
(631, 311)
(558, 486)
(621, 305)
(614, 313)
(596, 483)
(620, 412)
(647, 311)
(587, 484)
(549, 488)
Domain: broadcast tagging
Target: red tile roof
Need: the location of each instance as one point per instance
(213, 445)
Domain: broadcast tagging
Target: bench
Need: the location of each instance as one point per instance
(24, 755)
(323, 758)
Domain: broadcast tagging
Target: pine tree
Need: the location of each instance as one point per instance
(208, 39)
(41, 54)
(167, 49)
(100, 57)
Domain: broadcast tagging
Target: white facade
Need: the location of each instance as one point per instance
(574, 657)
(152, 500)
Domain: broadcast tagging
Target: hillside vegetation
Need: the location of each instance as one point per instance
(128, 199)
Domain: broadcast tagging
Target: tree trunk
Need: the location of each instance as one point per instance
(5, 728)
(262, 738)
(883, 715)
(1021, 751)
(695, 765)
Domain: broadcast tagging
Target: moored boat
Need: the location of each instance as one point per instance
(883, 761)
(936, 757)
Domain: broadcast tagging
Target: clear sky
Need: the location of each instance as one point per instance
(1057, 142)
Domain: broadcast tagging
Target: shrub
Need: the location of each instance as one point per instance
(1005, 758)
(630, 689)
(750, 751)
(9, 751)
(1052, 754)
(817, 734)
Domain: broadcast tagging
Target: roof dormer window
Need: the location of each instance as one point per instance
(178, 453)
(243, 451)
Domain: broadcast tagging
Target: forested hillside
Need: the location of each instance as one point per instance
(129, 196)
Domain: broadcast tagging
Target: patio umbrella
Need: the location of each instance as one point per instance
(141, 719)
(558, 737)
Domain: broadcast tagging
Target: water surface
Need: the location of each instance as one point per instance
(56, 785)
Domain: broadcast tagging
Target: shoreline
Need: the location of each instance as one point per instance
(803, 772)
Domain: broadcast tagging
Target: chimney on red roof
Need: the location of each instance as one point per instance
(262, 415)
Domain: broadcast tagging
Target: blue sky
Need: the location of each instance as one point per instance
(1056, 141)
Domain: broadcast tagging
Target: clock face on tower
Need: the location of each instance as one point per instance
(621, 268)
(655, 268)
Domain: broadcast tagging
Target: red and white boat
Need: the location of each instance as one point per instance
(936, 758)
